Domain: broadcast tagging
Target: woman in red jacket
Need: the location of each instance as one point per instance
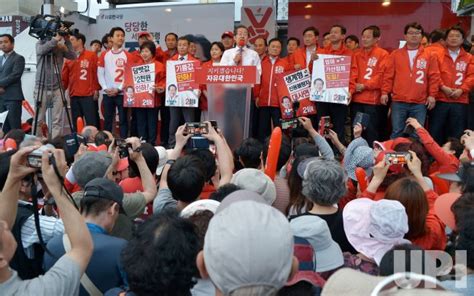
(147, 118)
(217, 50)
(425, 228)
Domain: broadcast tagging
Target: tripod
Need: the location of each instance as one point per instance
(42, 88)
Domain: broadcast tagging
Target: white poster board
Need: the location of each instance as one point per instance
(181, 87)
(330, 80)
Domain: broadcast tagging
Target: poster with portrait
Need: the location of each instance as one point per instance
(182, 90)
(293, 87)
(138, 86)
(330, 81)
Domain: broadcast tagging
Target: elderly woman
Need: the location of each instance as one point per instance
(324, 183)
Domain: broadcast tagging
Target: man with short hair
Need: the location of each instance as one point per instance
(96, 46)
(366, 83)
(111, 71)
(292, 45)
(64, 277)
(227, 39)
(352, 42)
(12, 66)
(50, 56)
(171, 40)
(303, 57)
(262, 238)
(326, 40)
(412, 77)
(337, 112)
(260, 46)
(188, 113)
(100, 207)
(79, 76)
(457, 71)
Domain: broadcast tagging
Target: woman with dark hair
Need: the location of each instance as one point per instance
(298, 202)
(147, 118)
(425, 228)
(216, 51)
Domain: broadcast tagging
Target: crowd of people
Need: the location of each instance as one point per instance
(324, 212)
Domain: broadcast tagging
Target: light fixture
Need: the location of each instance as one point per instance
(308, 6)
(62, 10)
(386, 3)
(168, 9)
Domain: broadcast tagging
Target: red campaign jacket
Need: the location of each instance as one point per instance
(458, 74)
(367, 68)
(444, 162)
(79, 76)
(298, 58)
(411, 85)
(266, 91)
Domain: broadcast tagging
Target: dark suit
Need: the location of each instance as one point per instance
(10, 80)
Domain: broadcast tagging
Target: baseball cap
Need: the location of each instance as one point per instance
(374, 227)
(443, 208)
(304, 252)
(143, 34)
(162, 159)
(316, 231)
(256, 181)
(464, 168)
(90, 166)
(227, 34)
(122, 164)
(106, 189)
(200, 205)
(246, 244)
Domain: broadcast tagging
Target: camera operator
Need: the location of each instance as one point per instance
(49, 53)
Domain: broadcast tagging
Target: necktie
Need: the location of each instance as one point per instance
(181, 58)
(4, 59)
(241, 50)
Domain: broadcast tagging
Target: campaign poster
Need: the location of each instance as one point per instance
(330, 81)
(138, 86)
(295, 87)
(182, 90)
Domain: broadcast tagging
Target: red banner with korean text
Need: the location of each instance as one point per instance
(138, 86)
(295, 86)
(227, 74)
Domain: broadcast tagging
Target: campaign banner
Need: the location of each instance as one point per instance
(227, 74)
(330, 81)
(138, 86)
(293, 87)
(182, 90)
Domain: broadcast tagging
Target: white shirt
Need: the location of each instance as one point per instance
(182, 58)
(411, 56)
(111, 69)
(454, 54)
(249, 58)
(309, 52)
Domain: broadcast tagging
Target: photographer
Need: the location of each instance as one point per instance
(49, 55)
(63, 278)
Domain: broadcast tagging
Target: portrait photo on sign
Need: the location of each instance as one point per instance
(182, 90)
(330, 79)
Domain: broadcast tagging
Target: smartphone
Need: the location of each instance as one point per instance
(195, 128)
(408, 131)
(324, 125)
(397, 158)
(289, 123)
(213, 124)
(362, 118)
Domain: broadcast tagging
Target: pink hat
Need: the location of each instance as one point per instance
(443, 208)
(122, 165)
(374, 227)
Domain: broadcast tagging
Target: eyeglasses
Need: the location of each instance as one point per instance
(414, 33)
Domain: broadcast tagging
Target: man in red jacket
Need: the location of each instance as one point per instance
(412, 77)
(338, 112)
(366, 83)
(80, 78)
(303, 57)
(267, 100)
(457, 73)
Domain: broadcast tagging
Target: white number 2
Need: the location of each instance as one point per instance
(419, 77)
(368, 75)
(83, 74)
(460, 76)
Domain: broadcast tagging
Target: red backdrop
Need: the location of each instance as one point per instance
(356, 15)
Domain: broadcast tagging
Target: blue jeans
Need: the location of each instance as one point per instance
(401, 112)
(448, 120)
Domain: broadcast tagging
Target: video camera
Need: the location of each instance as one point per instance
(45, 27)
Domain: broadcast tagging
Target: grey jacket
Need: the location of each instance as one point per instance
(44, 62)
(10, 77)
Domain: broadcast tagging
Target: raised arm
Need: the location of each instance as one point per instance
(226, 162)
(74, 224)
(148, 181)
(11, 190)
(320, 141)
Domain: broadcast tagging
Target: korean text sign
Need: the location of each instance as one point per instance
(182, 90)
(139, 86)
(295, 86)
(330, 81)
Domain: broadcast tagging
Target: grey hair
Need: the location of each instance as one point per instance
(254, 291)
(324, 182)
